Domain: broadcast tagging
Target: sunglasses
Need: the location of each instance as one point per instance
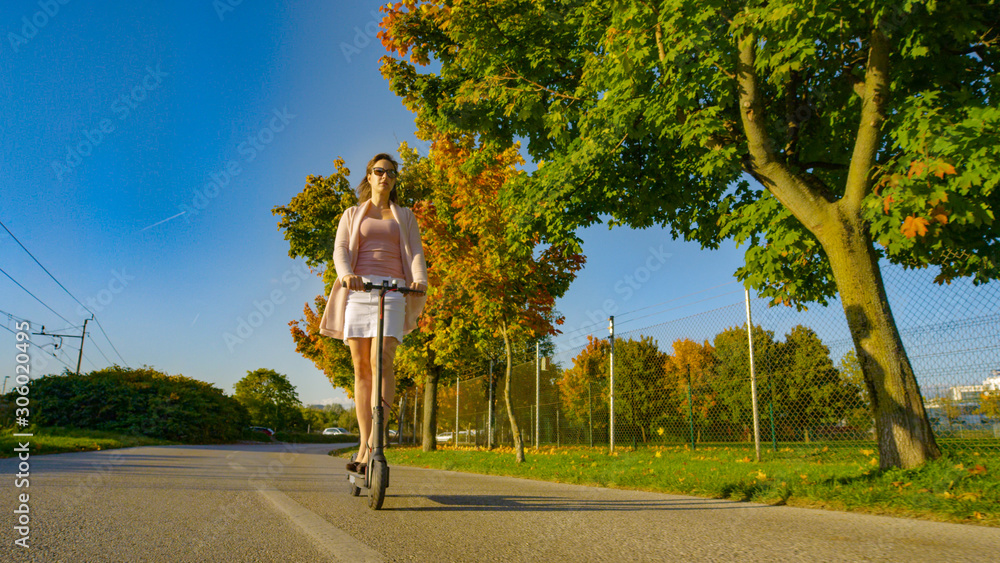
(379, 171)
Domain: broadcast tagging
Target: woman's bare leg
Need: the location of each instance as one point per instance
(361, 356)
(389, 345)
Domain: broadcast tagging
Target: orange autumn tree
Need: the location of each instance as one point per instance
(492, 277)
(583, 388)
(687, 375)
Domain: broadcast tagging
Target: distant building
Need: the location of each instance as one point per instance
(992, 383)
(966, 392)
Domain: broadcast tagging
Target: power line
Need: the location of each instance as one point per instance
(674, 299)
(54, 356)
(12, 315)
(92, 314)
(112, 344)
(94, 342)
(33, 295)
(43, 267)
(587, 329)
(680, 306)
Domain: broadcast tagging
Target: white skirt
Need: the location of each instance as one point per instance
(361, 316)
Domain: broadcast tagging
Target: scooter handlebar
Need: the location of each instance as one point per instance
(369, 286)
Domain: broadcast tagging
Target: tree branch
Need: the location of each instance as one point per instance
(659, 31)
(806, 203)
(866, 144)
(537, 86)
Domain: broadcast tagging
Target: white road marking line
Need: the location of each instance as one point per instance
(328, 537)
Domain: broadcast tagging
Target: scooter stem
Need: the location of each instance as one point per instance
(377, 412)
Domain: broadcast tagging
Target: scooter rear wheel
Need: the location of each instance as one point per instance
(379, 480)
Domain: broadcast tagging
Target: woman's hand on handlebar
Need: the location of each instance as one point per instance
(353, 283)
(418, 286)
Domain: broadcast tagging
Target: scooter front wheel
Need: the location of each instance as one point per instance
(379, 480)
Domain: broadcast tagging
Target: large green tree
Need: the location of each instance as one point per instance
(808, 389)
(730, 382)
(825, 135)
(270, 399)
(639, 393)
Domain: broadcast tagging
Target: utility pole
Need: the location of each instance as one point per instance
(82, 337)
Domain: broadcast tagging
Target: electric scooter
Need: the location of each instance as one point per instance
(376, 476)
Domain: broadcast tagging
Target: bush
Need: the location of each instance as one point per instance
(140, 401)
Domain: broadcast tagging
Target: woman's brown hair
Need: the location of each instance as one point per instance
(365, 189)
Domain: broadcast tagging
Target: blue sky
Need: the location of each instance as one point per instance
(143, 146)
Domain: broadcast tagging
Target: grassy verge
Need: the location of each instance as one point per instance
(55, 440)
(303, 438)
(962, 487)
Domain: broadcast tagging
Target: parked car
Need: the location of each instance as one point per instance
(463, 436)
(335, 431)
(262, 429)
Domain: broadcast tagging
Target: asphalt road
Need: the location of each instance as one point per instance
(289, 503)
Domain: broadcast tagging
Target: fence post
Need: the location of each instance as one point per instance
(611, 359)
(489, 411)
(590, 410)
(538, 397)
(690, 411)
(458, 380)
(770, 410)
(753, 377)
(558, 442)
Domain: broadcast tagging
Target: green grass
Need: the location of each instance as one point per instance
(54, 440)
(303, 438)
(963, 486)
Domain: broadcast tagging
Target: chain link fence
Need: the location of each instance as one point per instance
(688, 381)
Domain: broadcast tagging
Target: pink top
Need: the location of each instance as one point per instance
(378, 254)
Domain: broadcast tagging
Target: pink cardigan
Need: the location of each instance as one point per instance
(345, 258)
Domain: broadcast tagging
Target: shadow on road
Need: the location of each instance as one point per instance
(502, 503)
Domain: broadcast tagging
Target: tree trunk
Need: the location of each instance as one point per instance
(903, 432)
(515, 430)
(430, 407)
